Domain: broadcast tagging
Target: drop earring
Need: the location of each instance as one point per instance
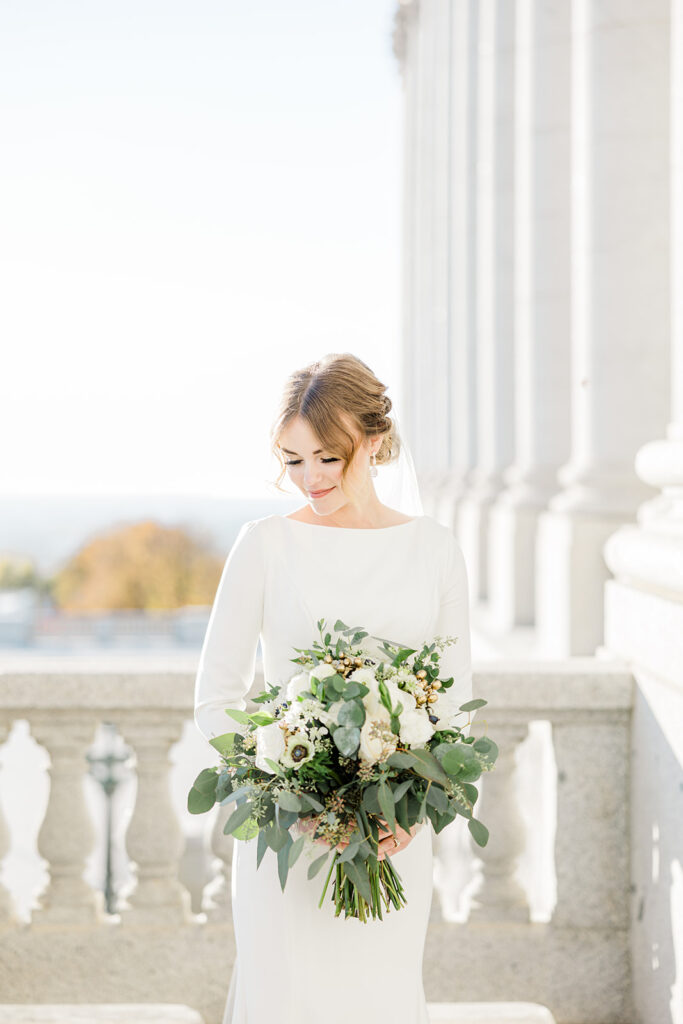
(373, 465)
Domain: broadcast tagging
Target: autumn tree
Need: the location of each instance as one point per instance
(16, 572)
(141, 565)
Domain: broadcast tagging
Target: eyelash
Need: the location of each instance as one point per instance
(295, 462)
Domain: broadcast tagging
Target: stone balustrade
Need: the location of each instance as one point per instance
(564, 797)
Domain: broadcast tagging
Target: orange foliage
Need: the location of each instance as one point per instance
(142, 565)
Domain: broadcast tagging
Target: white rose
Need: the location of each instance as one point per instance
(365, 676)
(415, 728)
(375, 747)
(322, 670)
(296, 685)
(269, 743)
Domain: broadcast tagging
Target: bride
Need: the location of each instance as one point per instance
(344, 554)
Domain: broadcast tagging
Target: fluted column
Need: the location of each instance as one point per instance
(650, 554)
(495, 151)
(441, 485)
(620, 306)
(154, 839)
(423, 370)
(66, 835)
(406, 52)
(460, 224)
(542, 304)
(7, 912)
(497, 895)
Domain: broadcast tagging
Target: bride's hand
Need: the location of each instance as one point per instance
(387, 845)
(309, 825)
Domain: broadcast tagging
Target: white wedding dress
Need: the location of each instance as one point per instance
(296, 963)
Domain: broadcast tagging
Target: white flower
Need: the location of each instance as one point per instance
(296, 685)
(298, 749)
(269, 743)
(322, 670)
(377, 741)
(364, 675)
(372, 700)
(415, 728)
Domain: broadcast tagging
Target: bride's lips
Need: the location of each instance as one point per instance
(320, 494)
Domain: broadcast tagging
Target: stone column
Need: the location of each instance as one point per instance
(66, 835)
(542, 304)
(217, 896)
(423, 367)
(405, 50)
(7, 911)
(154, 839)
(495, 151)
(497, 894)
(650, 554)
(440, 401)
(459, 379)
(620, 306)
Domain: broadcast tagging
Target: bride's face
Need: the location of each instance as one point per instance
(316, 472)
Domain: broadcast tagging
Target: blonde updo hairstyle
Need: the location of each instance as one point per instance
(336, 388)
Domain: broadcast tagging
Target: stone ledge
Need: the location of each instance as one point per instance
(99, 1013)
(489, 1013)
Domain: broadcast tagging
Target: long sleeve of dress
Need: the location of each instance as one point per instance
(454, 620)
(228, 658)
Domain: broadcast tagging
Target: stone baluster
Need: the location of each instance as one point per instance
(7, 913)
(66, 836)
(592, 844)
(154, 839)
(497, 895)
(217, 898)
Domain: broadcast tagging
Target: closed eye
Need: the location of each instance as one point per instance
(295, 462)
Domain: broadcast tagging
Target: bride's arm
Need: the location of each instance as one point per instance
(456, 660)
(454, 620)
(228, 658)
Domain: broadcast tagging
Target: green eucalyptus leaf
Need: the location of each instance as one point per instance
(237, 793)
(283, 862)
(311, 801)
(386, 802)
(278, 837)
(239, 716)
(438, 799)
(238, 816)
(289, 801)
(351, 713)
(346, 739)
(248, 829)
(359, 876)
(428, 767)
(480, 833)
(202, 795)
(295, 849)
(315, 867)
(402, 788)
(225, 743)
(261, 847)
(471, 705)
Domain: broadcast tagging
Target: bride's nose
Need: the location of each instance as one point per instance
(312, 477)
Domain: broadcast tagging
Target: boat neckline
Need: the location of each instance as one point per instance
(354, 529)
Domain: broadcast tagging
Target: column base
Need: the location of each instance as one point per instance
(570, 578)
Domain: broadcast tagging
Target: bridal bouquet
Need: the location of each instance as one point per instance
(354, 746)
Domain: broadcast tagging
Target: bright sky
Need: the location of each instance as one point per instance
(195, 199)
